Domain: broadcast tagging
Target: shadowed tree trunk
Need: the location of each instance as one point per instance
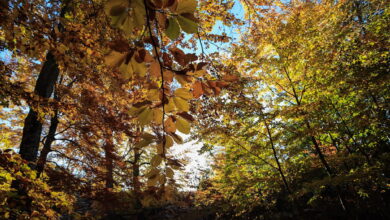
(109, 154)
(32, 125)
(47, 145)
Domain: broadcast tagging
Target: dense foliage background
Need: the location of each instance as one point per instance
(290, 100)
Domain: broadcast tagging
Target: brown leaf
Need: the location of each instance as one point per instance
(230, 78)
(119, 45)
(167, 60)
(168, 76)
(162, 20)
(197, 89)
(155, 69)
(170, 125)
(186, 116)
(179, 55)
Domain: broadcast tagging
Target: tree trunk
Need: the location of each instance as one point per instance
(108, 150)
(47, 145)
(32, 126)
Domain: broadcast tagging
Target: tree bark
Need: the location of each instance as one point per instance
(32, 126)
(47, 145)
(108, 150)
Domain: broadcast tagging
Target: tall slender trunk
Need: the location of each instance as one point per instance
(47, 145)
(32, 125)
(276, 156)
(109, 154)
(136, 176)
(315, 143)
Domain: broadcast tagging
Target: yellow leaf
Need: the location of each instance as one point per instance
(169, 172)
(160, 149)
(146, 116)
(152, 173)
(126, 70)
(134, 111)
(114, 58)
(168, 142)
(154, 95)
(152, 181)
(170, 106)
(183, 93)
(183, 125)
(139, 68)
(181, 104)
(157, 115)
(186, 6)
(156, 160)
(139, 13)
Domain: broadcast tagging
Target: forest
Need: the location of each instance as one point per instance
(194, 109)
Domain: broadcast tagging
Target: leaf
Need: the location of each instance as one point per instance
(173, 29)
(168, 76)
(114, 58)
(182, 79)
(177, 138)
(186, 6)
(154, 95)
(169, 172)
(183, 125)
(153, 181)
(126, 70)
(183, 93)
(181, 104)
(161, 19)
(135, 111)
(170, 107)
(157, 116)
(139, 13)
(197, 89)
(170, 125)
(189, 26)
(230, 78)
(179, 56)
(152, 173)
(115, 7)
(146, 116)
(168, 141)
(160, 149)
(139, 68)
(117, 10)
(156, 160)
(186, 116)
(147, 136)
(155, 69)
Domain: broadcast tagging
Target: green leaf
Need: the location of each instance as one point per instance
(188, 25)
(173, 29)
